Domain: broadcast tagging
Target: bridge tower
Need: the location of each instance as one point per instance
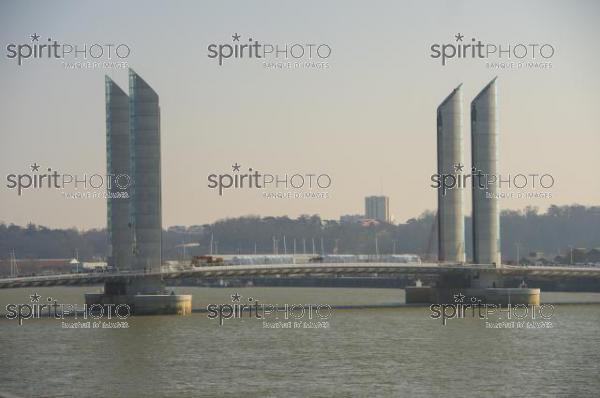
(485, 156)
(481, 283)
(450, 214)
(135, 220)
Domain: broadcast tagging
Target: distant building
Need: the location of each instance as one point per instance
(377, 208)
(351, 218)
(536, 258)
(594, 255)
(40, 266)
(369, 222)
(536, 255)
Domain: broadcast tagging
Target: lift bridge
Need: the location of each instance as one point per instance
(370, 269)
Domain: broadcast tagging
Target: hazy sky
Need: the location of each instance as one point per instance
(368, 120)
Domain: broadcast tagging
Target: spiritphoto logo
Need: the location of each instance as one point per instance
(273, 316)
(288, 185)
(497, 55)
(71, 186)
(503, 186)
(497, 316)
(73, 56)
(272, 56)
(51, 308)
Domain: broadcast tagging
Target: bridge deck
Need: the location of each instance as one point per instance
(313, 269)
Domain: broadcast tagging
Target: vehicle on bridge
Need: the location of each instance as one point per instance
(362, 258)
(260, 259)
(206, 261)
(78, 267)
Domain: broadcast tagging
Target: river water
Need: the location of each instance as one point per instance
(395, 352)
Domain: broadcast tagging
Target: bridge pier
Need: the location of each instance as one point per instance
(477, 285)
(144, 296)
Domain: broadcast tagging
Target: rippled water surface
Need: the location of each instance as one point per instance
(377, 352)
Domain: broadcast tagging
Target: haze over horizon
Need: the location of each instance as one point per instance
(166, 227)
(369, 120)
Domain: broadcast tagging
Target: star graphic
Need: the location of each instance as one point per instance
(235, 297)
(35, 37)
(236, 37)
(35, 298)
(458, 167)
(459, 37)
(35, 167)
(459, 298)
(236, 167)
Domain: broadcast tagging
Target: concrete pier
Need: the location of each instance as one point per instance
(145, 296)
(145, 304)
(505, 296)
(498, 296)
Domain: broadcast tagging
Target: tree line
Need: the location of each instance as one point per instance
(553, 232)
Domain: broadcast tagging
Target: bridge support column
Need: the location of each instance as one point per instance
(484, 286)
(145, 296)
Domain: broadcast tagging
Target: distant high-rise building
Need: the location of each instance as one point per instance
(144, 119)
(377, 208)
(118, 166)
